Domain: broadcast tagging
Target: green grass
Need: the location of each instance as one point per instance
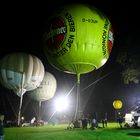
(59, 132)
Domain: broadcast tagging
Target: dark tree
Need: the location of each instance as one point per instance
(129, 60)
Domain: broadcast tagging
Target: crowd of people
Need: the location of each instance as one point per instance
(92, 123)
(85, 123)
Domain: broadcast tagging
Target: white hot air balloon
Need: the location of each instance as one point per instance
(21, 72)
(45, 91)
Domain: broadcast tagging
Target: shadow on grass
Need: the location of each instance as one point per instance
(134, 134)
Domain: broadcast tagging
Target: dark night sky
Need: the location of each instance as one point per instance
(22, 28)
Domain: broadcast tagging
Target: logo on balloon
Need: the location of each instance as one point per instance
(60, 35)
(55, 35)
(110, 40)
(107, 39)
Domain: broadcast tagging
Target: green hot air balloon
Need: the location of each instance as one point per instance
(117, 104)
(78, 39)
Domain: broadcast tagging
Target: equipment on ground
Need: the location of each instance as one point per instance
(132, 120)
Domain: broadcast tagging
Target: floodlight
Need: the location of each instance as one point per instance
(61, 104)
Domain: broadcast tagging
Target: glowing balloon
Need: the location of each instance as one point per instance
(78, 39)
(117, 104)
(21, 72)
(46, 90)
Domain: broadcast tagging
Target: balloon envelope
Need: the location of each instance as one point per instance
(46, 90)
(21, 72)
(117, 104)
(78, 39)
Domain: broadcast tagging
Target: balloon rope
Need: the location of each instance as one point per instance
(19, 113)
(70, 90)
(52, 116)
(77, 110)
(21, 98)
(96, 81)
(39, 111)
(134, 107)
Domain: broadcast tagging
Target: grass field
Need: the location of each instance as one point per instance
(59, 132)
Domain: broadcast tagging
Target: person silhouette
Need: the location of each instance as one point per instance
(120, 120)
(1, 127)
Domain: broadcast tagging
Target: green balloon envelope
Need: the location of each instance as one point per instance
(78, 39)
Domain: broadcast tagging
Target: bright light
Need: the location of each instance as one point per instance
(132, 112)
(61, 103)
(22, 118)
(137, 107)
